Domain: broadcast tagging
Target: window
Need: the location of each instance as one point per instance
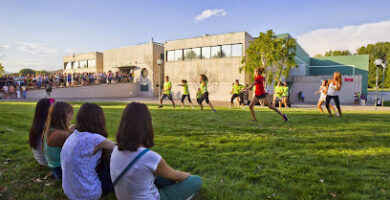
(170, 55)
(191, 53)
(83, 64)
(205, 52)
(76, 65)
(179, 54)
(226, 50)
(216, 52)
(68, 65)
(237, 50)
(91, 63)
(196, 52)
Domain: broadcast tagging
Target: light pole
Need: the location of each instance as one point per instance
(383, 82)
(159, 62)
(378, 62)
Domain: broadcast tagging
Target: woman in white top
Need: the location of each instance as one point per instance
(36, 130)
(322, 99)
(85, 156)
(332, 92)
(148, 177)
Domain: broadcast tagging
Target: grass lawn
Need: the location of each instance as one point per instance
(379, 89)
(310, 157)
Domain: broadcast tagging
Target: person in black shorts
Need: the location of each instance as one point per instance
(186, 93)
(167, 92)
(204, 92)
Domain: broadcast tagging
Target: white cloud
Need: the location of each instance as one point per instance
(35, 48)
(209, 13)
(345, 38)
(4, 46)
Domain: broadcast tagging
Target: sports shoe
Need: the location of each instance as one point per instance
(214, 111)
(160, 106)
(285, 118)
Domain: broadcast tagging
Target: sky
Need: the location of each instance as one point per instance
(38, 33)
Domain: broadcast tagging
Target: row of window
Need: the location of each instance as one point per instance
(220, 51)
(80, 64)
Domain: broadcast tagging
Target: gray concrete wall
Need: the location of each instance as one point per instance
(97, 91)
(310, 84)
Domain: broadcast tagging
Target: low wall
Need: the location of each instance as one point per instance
(96, 91)
(310, 84)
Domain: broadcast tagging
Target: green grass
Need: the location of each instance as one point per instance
(310, 157)
(379, 89)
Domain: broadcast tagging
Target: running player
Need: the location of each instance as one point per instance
(332, 92)
(278, 94)
(167, 92)
(204, 92)
(237, 92)
(186, 93)
(285, 94)
(322, 98)
(261, 94)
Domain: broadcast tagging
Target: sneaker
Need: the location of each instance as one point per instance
(337, 114)
(160, 106)
(285, 118)
(214, 111)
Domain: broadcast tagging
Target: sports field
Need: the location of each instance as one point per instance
(310, 157)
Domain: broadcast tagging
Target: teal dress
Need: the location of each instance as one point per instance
(52, 155)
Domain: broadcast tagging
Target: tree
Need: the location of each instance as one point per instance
(338, 53)
(318, 55)
(380, 50)
(284, 56)
(2, 70)
(26, 71)
(260, 53)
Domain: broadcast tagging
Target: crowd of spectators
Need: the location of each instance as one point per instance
(16, 85)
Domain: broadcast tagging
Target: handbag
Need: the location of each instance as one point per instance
(129, 166)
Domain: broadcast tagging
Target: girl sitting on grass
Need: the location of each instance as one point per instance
(36, 130)
(140, 173)
(85, 156)
(261, 94)
(55, 133)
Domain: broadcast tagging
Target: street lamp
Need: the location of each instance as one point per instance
(159, 62)
(383, 82)
(378, 63)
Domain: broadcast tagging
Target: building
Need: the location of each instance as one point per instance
(91, 62)
(219, 57)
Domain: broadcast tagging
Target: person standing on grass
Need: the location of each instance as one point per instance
(24, 91)
(55, 133)
(204, 93)
(278, 95)
(167, 92)
(333, 89)
(85, 156)
(140, 173)
(36, 130)
(322, 99)
(237, 92)
(285, 94)
(261, 94)
(186, 93)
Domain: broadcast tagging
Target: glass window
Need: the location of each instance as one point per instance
(237, 50)
(179, 54)
(170, 55)
(216, 52)
(76, 65)
(68, 65)
(91, 63)
(189, 54)
(83, 64)
(226, 50)
(205, 52)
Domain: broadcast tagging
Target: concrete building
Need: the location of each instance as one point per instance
(141, 61)
(217, 56)
(83, 62)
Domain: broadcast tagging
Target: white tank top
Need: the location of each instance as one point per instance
(332, 90)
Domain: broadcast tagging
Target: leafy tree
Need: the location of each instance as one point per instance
(338, 53)
(2, 70)
(380, 50)
(260, 53)
(318, 55)
(284, 56)
(26, 71)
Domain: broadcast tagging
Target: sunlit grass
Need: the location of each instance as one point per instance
(310, 157)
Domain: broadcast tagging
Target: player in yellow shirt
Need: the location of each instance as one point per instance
(278, 94)
(285, 94)
(186, 93)
(237, 92)
(167, 92)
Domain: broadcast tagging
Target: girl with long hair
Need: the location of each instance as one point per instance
(322, 99)
(85, 156)
(261, 94)
(36, 130)
(55, 133)
(204, 92)
(140, 173)
(333, 90)
(186, 93)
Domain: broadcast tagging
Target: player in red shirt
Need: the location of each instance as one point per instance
(261, 94)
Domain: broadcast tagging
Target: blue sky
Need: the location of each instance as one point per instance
(37, 33)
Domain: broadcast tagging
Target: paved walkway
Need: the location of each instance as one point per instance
(216, 103)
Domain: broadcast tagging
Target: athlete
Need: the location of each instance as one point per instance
(261, 94)
(285, 94)
(186, 93)
(322, 99)
(167, 92)
(278, 94)
(237, 92)
(332, 92)
(204, 93)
